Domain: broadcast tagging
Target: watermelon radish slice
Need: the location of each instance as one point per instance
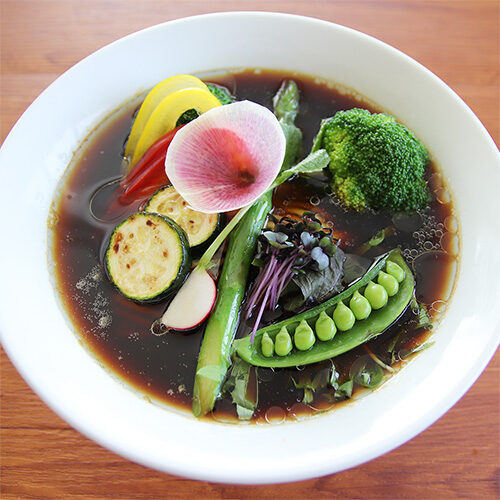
(227, 157)
(193, 302)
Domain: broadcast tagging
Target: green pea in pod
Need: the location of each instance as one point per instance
(395, 270)
(267, 345)
(343, 317)
(376, 295)
(389, 282)
(283, 342)
(325, 327)
(360, 306)
(304, 336)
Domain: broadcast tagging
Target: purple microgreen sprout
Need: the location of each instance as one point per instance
(292, 248)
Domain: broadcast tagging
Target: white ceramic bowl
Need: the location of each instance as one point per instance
(40, 343)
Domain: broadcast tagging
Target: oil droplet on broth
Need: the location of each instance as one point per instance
(275, 415)
(443, 196)
(314, 200)
(322, 403)
(451, 224)
(436, 182)
(439, 306)
(299, 411)
(224, 412)
(449, 243)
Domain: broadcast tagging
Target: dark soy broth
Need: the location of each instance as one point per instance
(117, 331)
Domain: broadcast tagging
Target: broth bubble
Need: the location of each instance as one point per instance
(443, 196)
(449, 243)
(299, 411)
(439, 306)
(451, 224)
(275, 415)
(158, 328)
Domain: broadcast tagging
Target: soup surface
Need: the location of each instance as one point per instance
(117, 330)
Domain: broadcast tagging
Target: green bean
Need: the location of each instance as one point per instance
(376, 295)
(303, 337)
(283, 342)
(389, 282)
(360, 306)
(325, 327)
(267, 345)
(394, 270)
(362, 331)
(343, 317)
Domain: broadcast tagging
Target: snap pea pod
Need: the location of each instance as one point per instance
(214, 357)
(343, 341)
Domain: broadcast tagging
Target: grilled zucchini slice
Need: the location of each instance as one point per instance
(199, 227)
(147, 257)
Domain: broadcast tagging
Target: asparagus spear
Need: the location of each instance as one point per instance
(214, 357)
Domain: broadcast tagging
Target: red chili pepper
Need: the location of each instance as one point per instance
(148, 174)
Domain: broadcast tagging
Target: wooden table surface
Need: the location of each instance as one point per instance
(458, 456)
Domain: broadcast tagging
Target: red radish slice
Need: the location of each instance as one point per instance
(227, 157)
(193, 302)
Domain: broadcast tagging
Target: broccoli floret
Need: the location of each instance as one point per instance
(375, 162)
(221, 93)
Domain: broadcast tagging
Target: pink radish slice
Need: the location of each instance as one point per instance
(193, 302)
(227, 157)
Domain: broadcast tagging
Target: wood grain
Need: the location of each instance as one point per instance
(457, 457)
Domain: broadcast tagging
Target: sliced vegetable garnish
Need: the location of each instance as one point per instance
(199, 226)
(148, 174)
(147, 257)
(164, 117)
(226, 158)
(151, 102)
(184, 315)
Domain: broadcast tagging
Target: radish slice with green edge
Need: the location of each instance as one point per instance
(227, 157)
(192, 304)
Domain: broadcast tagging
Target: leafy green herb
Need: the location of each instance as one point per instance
(242, 388)
(365, 372)
(423, 318)
(314, 379)
(404, 353)
(286, 101)
(319, 285)
(376, 240)
(344, 390)
(314, 162)
(286, 108)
